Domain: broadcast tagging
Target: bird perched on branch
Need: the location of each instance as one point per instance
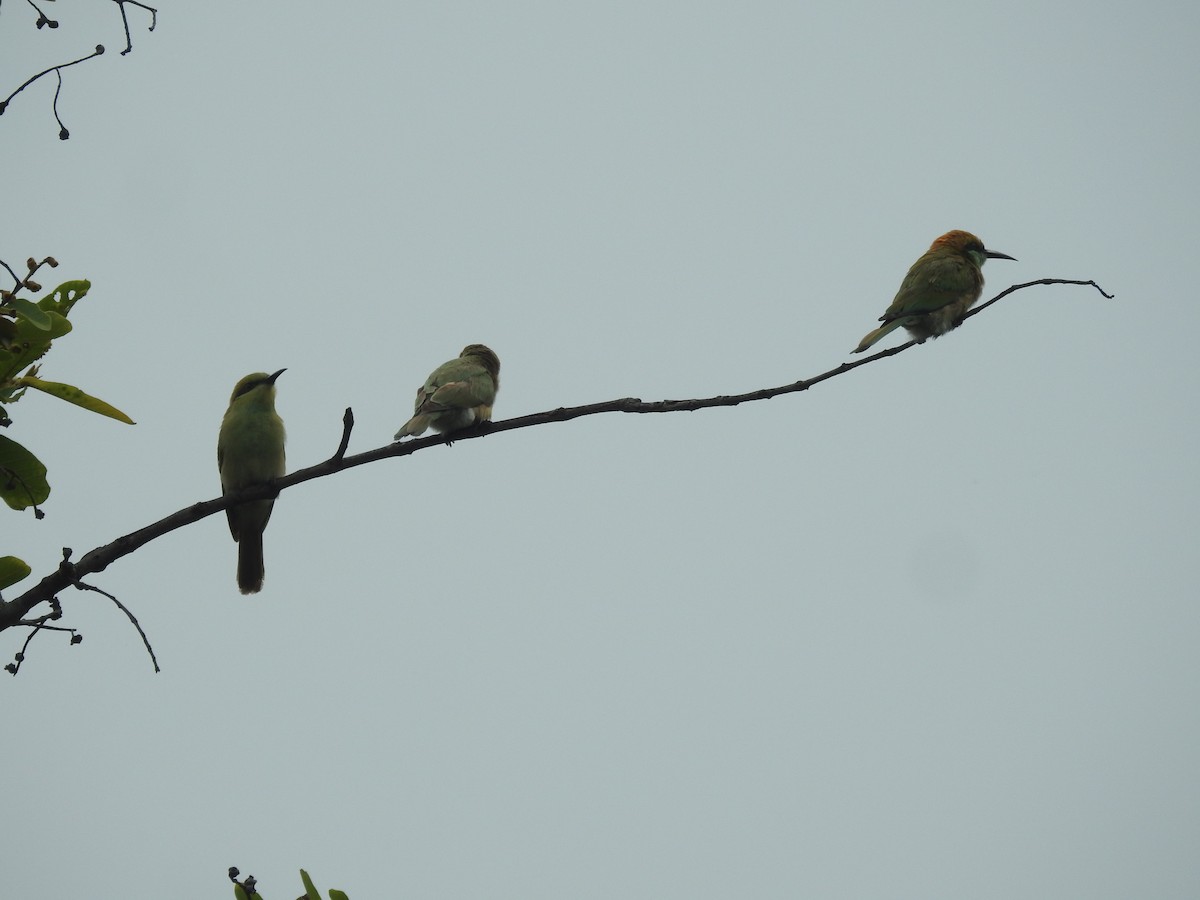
(249, 452)
(458, 393)
(938, 290)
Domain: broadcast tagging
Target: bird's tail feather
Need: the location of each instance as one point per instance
(415, 426)
(880, 332)
(250, 562)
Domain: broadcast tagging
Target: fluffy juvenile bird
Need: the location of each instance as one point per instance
(250, 451)
(458, 393)
(938, 290)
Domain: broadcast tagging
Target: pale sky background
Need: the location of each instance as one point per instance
(926, 631)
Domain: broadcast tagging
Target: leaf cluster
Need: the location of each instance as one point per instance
(27, 331)
(248, 889)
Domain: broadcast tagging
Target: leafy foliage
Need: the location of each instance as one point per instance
(27, 331)
(245, 890)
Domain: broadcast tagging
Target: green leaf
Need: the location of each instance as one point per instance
(335, 894)
(66, 295)
(72, 394)
(22, 476)
(30, 344)
(30, 312)
(59, 325)
(239, 893)
(12, 570)
(313, 893)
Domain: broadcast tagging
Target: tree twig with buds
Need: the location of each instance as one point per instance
(44, 21)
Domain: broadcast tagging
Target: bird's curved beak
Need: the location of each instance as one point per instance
(271, 380)
(996, 254)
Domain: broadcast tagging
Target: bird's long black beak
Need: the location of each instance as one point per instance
(996, 254)
(271, 380)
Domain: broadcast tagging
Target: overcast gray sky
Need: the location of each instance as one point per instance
(926, 631)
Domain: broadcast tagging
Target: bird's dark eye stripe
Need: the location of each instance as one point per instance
(247, 388)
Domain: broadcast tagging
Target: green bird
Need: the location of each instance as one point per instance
(938, 290)
(249, 452)
(458, 393)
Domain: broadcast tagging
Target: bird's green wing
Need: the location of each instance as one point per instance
(932, 282)
(458, 384)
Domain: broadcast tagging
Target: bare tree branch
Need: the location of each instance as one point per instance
(125, 21)
(36, 626)
(99, 51)
(123, 608)
(97, 560)
(44, 21)
(347, 426)
(1016, 287)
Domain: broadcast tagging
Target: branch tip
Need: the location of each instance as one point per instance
(347, 426)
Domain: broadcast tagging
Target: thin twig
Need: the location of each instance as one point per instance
(1016, 287)
(25, 282)
(132, 618)
(19, 657)
(97, 52)
(347, 426)
(17, 281)
(63, 133)
(125, 21)
(37, 625)
(43, 20)
(11, 479)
